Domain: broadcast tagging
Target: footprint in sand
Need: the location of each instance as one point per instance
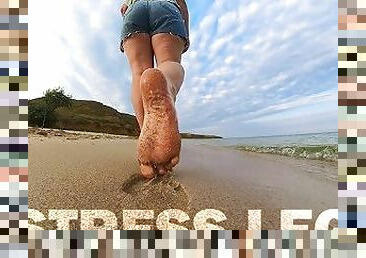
(136, 183)
(162, 192)
(133, 184)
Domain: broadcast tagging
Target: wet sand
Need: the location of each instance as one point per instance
(95, 171)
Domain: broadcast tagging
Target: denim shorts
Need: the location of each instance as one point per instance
(153, 17)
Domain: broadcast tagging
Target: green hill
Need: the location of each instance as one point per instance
(93, 116)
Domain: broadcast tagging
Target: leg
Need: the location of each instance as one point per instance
(159, 142)
(168, 51)
(140, 57)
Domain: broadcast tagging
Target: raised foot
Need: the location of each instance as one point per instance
(159, 142)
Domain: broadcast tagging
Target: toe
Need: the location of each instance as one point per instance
(147, 171)
(169, 167)
(174, 161)
(161, 170)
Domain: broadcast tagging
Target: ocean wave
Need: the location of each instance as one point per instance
(316, 152)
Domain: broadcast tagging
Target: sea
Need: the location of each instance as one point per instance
(327, 138)
(320, 146)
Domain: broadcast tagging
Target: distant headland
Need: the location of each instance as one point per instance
(93, 116)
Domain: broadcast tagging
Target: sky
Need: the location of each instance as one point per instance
(254, 68)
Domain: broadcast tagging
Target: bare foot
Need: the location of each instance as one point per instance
(159, 142)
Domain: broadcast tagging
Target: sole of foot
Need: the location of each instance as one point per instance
(159, 142)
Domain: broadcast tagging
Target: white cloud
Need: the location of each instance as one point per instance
(63, 36)
(226, 22)
(249, 60)
(262, 58)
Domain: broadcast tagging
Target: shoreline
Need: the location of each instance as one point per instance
(100, 173)
(324, 152)
(61, 132)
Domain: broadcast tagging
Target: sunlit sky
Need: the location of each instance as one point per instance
(254, 67)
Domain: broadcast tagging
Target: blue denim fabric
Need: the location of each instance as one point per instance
(153, 17)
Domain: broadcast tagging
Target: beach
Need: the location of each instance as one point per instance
(89, 171)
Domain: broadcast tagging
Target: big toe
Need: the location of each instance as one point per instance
(147, 171)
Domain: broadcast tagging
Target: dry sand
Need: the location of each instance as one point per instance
(95, 171)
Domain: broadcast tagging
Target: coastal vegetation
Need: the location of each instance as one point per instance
(57, 110)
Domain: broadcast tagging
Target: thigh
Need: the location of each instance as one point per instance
(167, 47)
(139, 52)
